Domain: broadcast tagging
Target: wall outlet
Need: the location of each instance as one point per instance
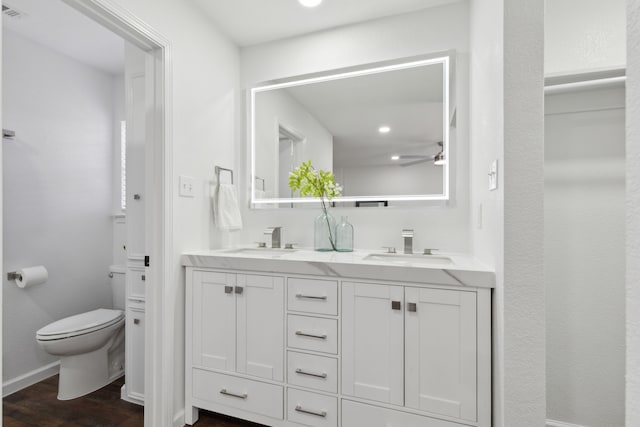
(493, 176)
(187, 186)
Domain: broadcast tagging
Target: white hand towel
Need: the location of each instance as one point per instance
(226, 211)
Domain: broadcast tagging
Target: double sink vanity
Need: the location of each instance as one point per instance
(294, 337)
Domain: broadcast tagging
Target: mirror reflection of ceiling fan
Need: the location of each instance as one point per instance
(414, 159)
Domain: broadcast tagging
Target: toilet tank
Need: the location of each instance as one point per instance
(118, 285)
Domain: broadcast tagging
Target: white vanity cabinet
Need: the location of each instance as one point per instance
(408, 346)
(287, 349)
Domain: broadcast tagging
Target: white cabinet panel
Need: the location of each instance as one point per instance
(260, 320)
(134, 340)
(372, 342)
(241, 393)
(312, 371)
(440, 356)
(311, 409)
(313, 295)
(312, 333)
(214, 320)
(360, 415)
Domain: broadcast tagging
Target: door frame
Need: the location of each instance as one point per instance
(159, 348)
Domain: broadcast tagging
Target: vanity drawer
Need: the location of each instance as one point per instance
(308, 370)
(136, 279)
(313, 295)
(312, 333)
(360, 414)
(240, 393)
(311, 409)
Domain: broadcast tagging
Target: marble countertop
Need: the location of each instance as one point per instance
(441, 268)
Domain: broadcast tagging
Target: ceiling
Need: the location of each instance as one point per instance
(250, 22)
(61, 28)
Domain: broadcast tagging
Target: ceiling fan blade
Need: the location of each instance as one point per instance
(415, 162)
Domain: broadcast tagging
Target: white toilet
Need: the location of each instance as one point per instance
(90, 345)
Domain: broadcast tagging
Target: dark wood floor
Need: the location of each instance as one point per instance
(38, 406)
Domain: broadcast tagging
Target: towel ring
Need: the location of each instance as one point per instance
(219, 169)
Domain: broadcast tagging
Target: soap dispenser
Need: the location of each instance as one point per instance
(344, 236)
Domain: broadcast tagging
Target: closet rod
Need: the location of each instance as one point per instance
(585, 84)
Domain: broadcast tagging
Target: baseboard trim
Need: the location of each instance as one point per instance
(30, 378)
(553, 423)
(178, 419)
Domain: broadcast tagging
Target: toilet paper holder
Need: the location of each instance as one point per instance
(14, 275)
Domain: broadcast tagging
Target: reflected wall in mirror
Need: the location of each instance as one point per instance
(382, 130)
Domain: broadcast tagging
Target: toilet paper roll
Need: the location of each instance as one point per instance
(31, 276)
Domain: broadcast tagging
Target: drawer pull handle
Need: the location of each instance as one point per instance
(304, 334)
(228, 289)
(303, 296)
(322, 414)
(143, 277)
(136, 321)
(228, 393)
(239, 290)
(311, 374)
(412, 307)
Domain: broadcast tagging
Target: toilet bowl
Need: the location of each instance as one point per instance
(91, 350)
(90, 345)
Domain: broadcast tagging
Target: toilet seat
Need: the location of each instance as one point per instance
(80, 324)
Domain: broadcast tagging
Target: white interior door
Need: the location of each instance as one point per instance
(260, 320)
(214, 320)
(372, 342)
(440, 355)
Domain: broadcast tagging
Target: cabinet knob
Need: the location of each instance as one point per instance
(412, 307)
(228, 289)
(239, 290)
(136, 321)
(396, 305)
(143, 277)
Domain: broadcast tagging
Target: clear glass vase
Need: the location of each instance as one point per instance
(324, 232)
(344, 236)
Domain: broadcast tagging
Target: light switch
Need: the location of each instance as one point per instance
(493, 176)
(187, 186)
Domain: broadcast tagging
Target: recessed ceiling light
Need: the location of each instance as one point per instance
(384, 129)
(310, 3)
(396, 157)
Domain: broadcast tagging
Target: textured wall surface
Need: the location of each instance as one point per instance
(524, 300)
(584, 35)
(633, 213)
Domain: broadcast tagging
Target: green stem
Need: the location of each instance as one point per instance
(326, 217)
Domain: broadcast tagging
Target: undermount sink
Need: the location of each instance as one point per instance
(409, 259)
(270, 252)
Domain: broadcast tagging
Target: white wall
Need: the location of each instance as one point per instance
(584, 256)
(421, 178)
(57, 175)
(633, 215)
(432, 30)
(205, 130)
(507, 224)
(584, 35)
(486, 144)
(278, 108)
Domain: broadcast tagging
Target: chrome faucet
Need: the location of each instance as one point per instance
(407, 235)
(274, 232)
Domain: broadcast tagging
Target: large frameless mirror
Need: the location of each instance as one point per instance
(384, 131)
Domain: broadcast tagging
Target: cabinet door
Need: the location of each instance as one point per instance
(372, 342)
(214, 320)
(134, 337)
(260, 317)
(440, 356)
